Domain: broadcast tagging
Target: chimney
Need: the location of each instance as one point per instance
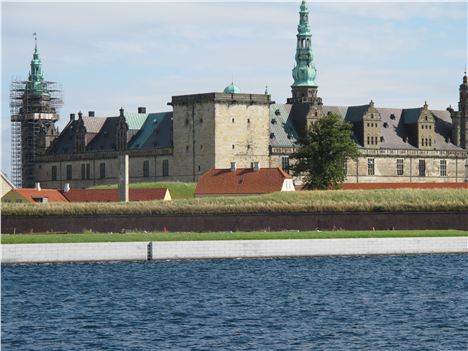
(66, 188)
(256, 166)
(141, 109)
(38, 186)
(233, 166)
(72, 116)
(90, 113)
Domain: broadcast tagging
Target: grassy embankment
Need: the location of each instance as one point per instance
(301, 201)
(99, 237)
(178, 190)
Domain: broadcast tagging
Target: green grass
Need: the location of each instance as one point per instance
(301, 201)
(178, 190)
(100, 237)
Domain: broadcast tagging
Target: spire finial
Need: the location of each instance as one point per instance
(35, 41)
(266, 89)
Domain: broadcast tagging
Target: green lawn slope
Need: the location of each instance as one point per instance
(99, 237)
(395, 200)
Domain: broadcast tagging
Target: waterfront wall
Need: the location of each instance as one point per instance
(142, 251)
(79, 252)
(238, 222)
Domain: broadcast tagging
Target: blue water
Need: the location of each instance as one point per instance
(332, 303)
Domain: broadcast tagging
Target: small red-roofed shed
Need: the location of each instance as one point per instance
(33, 196)
(111, 195)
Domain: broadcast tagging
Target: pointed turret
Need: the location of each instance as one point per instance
(307, 106)
(304, 88)
(36, 84)
(34, 109)
(304, 71)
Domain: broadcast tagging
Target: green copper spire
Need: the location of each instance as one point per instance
(36, 78)
(304, 71)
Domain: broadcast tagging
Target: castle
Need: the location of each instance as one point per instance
(211, 130)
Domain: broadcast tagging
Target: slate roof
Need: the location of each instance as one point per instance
(242, 181)
(156, 132)
(145, 131)
(111, 195)
(65, 142)
(29, 194)
(282, 131)
(394, 131)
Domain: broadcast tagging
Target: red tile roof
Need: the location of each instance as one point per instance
(112, 195)
(243, 181)
(30, 194)
(432, 185)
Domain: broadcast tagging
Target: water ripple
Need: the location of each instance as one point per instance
(327, 303)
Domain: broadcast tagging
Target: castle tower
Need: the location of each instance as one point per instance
(34, 105)
(307, 105)
(460, 117)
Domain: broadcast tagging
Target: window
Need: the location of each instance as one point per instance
(422, 168)
(145, 168)
(165, 168)
(54, 172)
(102, 170)
(370, 166)
(69, 172)
(368, 140)
(399, 167)
(41, 199)
(83, 171)
(88, 171)
(233, 120)
(443, 168)
(285, 163)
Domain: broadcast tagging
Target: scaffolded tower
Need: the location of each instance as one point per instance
(33, 105)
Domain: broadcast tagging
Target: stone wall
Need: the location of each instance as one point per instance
(143, 251)
(238, 222)
(194, 142)
(241, 134)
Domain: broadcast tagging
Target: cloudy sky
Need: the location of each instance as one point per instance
(108, 55)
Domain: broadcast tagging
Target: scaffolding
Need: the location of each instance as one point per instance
(34, 108)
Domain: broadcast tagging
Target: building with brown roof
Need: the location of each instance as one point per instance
(34, 195)
(111, 195)
(243, 181)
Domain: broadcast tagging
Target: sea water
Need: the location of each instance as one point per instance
(327, 303)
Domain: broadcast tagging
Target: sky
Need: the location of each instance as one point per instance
(120, 54)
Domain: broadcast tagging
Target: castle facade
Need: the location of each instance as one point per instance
(212, 130)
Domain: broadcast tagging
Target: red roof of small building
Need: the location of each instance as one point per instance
(242, 181)
(112, 195)
(33, 195)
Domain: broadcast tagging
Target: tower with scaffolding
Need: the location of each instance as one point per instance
(34, 108)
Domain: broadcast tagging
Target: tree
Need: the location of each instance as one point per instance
(323, 151)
